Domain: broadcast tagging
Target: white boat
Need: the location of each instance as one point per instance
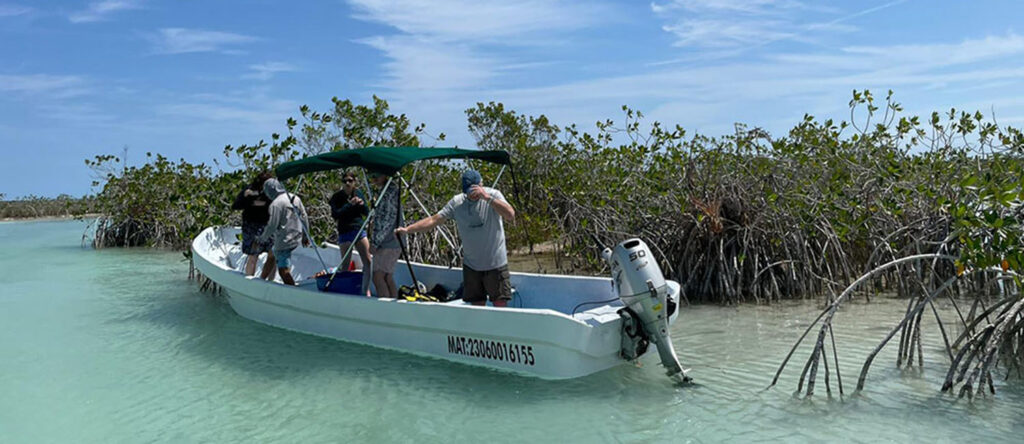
(556, 327)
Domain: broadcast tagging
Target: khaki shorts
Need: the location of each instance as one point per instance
(477, 285)
(384, 260)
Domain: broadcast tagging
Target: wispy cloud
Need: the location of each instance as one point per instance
(86, 114)
(11, 10)
(52, 98)
(421, 66)
(252, 108)
(752, 7)
(726, 33)
(56, 86)
(267, 71)
(184, 40)
(711, 97)
(787, 76)
(443, 47)
(738, 23)
(433, 71)
(772, 91)
(101, 10)
(938, 54)
(490, 20)
(728, 23)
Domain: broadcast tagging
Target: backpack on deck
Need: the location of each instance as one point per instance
(414, 295)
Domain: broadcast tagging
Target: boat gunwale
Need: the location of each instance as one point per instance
(304, 285)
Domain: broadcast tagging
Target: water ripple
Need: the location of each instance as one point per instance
(119, 347)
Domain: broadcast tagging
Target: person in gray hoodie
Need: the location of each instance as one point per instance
(286, 226)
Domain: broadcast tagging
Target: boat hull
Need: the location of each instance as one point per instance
(540, 342)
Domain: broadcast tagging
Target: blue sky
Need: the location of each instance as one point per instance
(80, 78)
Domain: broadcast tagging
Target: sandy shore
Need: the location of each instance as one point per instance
(47, 218)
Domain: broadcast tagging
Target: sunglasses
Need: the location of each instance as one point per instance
(349, 180)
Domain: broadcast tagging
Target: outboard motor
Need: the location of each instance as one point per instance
(641, 286)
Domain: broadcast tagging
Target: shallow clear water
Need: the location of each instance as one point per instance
(118, 346)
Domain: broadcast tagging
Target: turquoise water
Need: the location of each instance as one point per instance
(118, 346)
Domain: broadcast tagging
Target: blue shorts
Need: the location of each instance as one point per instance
(351, 236)
(283, 258)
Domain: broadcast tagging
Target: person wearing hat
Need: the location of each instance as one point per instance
(479, 213)
(286, 226)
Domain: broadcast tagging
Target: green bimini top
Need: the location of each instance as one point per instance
(385, 160)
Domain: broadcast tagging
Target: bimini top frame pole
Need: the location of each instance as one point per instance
(366, 221)
(441, 229)
(383, 160)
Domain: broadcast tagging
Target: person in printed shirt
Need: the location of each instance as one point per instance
(383, 241)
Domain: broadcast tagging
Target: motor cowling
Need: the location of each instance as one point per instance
(642, 287)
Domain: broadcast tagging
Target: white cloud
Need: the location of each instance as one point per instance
(267, 71)
(441, 48)
(726, 33)
(434, 72)
(773, 92)
(101, 10)
(249, 108)
(753, 23)
(968, 51)
(77, 114)
(56, 86)
(754, 7)
(10, 10)
(48, 98)
(183, 40)
(418, 65)
(490, 20)
(711, 97)
(219, 112)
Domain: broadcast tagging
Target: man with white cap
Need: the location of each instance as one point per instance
(479, 213)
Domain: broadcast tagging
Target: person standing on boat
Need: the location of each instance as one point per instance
(348, 208)
(479, 213)
(255, 206)
(383, 241)
(286, 225)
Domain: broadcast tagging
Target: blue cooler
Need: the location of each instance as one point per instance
(347, 282)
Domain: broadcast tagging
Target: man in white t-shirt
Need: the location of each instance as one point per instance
(479, 213)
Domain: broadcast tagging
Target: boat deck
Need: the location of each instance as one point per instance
(588, 299)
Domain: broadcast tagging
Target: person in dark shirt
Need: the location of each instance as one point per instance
(254, 205)
(348, 208)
